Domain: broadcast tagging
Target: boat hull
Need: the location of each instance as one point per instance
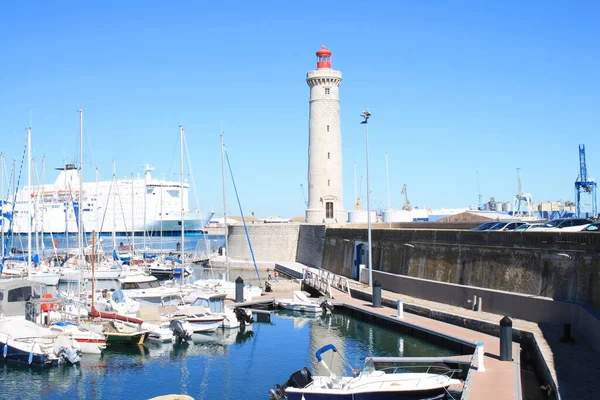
(75, 275)
(433, 394)
(13, 354)
(125, 338)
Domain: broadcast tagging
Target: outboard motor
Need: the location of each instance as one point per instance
(268, 287)
(299, 379)
(325, 305)
(181, 335)
(243, 316)
(69, 354)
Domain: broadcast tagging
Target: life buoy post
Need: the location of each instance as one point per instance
(47, 306)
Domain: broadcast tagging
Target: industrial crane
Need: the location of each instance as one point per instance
(584, 184)
(521, 197)
(406, 205)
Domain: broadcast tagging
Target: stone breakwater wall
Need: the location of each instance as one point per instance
(270, 242)
(279, 242)
(560, 265)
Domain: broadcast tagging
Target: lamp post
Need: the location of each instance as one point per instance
(366, 115)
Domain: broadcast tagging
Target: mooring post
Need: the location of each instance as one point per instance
(479, 304)
(400, 307)
(474, 305)
(505, 339)
(480, 355)
(239, 290)
(566, 337)
(376, 294)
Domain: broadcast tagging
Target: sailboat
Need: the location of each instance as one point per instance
(21, 266)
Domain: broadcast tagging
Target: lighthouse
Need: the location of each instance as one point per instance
(325, 189)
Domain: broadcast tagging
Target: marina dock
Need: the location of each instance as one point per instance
(572, 368)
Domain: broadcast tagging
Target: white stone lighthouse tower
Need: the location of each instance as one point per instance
(325, 190)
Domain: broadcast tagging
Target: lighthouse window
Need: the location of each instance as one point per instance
(326, 90)
(328, 156)
(327, 128)
(329, 209)
(328, 182)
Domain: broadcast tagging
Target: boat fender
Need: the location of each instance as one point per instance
(30, 360)
(5, 351)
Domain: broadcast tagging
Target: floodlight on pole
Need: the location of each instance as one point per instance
(366, 115)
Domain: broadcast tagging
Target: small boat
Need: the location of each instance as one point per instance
(90, 341)
(160, 328)
(147, 290)
(215, 304)
(25, 342)
(168, 267)
(120, 329)
(303, 304)
(380, 378)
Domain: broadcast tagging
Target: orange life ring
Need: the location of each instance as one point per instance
(47, 306)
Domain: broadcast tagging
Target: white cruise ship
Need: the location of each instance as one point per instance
(120, 206)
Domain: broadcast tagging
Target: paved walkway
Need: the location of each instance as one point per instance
(575, 368)
(500, 380)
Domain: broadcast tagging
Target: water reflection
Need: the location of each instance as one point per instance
(224, 365)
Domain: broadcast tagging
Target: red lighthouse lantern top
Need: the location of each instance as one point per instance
(324, 58)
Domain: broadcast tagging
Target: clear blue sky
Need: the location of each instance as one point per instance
(455, 87)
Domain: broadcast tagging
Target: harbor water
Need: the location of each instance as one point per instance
(223, 365)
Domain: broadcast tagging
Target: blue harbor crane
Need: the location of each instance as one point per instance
(584, 184)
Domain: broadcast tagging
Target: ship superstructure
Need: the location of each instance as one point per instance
(118, 205)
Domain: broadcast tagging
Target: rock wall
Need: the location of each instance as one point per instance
(563, 266)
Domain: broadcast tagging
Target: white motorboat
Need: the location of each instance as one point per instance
(233, 318)
(89, 340)
(370, 382)
(148, 291)
(228, 288)
(303, 304)
(199, 318)
(25, 342)
(74, 274)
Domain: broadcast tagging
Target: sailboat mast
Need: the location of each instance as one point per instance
(79, 215)
(93, 264)
(29, 205)
(97, 202)
(114, 206)
(224, 202)
(3, 204)
(35, 207)
(181, 201)
(132, 217)
(80, 199)
(161, 215)
(43, 212)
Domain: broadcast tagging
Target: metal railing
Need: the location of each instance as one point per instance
(323, 280)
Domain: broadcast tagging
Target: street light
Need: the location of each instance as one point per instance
(366, 115)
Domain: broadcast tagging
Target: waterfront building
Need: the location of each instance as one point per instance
(325, 190)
